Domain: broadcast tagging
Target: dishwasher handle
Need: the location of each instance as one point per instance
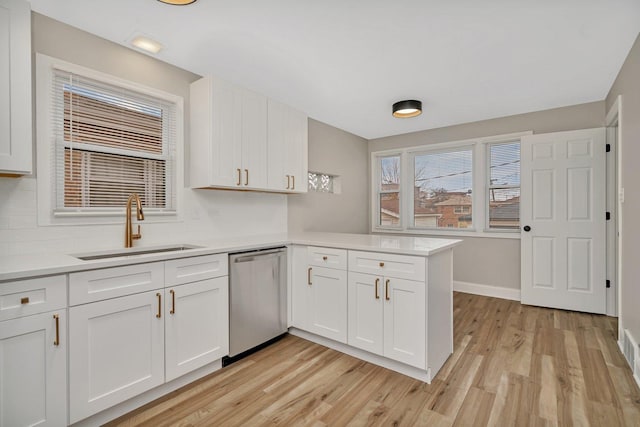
(252, 256)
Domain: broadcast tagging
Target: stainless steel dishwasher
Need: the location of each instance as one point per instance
(257, 299)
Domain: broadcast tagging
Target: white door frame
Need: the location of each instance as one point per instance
(614, 118)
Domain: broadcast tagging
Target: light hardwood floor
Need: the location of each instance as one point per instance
(513, 365)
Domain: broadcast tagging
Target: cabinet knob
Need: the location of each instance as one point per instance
(24, 300)
(324, 258)
(382, 264)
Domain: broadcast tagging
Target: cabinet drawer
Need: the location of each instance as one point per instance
(32, 296)
(96, 285)
(327, 257)
(388, 265)
(187, 270)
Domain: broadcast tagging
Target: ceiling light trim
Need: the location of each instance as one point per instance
(407, 108)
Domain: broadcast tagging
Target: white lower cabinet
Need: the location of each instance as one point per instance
(33, 370)
(144, 334)
(196, 325)
(327, 302)
(116, 351)
(387, 317)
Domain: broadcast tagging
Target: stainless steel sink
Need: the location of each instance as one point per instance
(134, 252)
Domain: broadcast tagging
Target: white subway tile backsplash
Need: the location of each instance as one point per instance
(220, 214)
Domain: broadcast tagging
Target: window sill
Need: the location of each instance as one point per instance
(450, 233)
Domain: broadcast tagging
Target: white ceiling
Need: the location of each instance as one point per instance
(344, 62)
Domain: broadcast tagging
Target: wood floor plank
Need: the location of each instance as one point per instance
(512, 365)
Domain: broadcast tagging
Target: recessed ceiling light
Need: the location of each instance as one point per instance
(146, 44)
(408, 108)
(178, 2)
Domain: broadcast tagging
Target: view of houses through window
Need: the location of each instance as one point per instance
(442, 189)
(504, 186)
(389, 191)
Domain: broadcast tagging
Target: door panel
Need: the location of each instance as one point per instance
(328, 303)
(197, 325)
(365, 312)
(33, 371)
(117, 351)
(563, 201)
(404, 321)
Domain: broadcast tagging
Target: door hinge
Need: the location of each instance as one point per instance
(608, 283)
(608, 148)
(608, 216)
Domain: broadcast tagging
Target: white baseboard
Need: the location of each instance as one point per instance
(486, 290)
(629, 348)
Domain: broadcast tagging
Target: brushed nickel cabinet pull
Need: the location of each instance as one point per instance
(246, 179)
(57, 340)
(386, 290)
(293, 180)
(309, 276)
(377, 283)
(24, 300)
(239, 177)
(173, 302)
(288, 181)
(159, 315)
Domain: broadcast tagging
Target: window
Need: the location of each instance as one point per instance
(464, 188)
(389, 191)
(443, 184)
(106, 139)
(504, 186)
(321, 182)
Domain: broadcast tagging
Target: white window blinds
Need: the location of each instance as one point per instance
(110, 142)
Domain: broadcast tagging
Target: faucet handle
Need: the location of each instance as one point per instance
(138, 235)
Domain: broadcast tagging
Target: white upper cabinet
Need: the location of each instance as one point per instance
(15, 87)
(287, 148)
(242, 140)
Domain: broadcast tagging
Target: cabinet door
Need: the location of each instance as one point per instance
(404, 321)
(226, 128)
(296, 146)
(33, 370)
(327, 303)
(366, 312)
(276, 175)
(116, 352)
(15, 87)
(197, 325)
(287, 148)
(254, 140)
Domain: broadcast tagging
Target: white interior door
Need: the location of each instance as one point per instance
(563, 236)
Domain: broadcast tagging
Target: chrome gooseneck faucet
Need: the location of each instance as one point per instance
(128, 232)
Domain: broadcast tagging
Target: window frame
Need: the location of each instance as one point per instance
(46, 203)
(480, 205)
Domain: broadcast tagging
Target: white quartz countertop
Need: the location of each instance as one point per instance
(22, 266)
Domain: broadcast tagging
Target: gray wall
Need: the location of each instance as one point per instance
(627, 84)
(335, 152)
(495, 261)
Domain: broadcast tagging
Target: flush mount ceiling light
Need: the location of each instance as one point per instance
(146, 44)
(408, 108)
(178, 2)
